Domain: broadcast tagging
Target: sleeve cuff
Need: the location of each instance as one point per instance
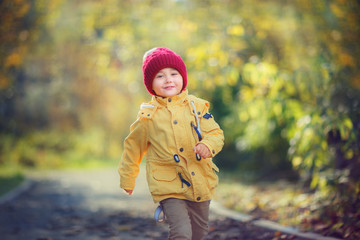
(126, 184)
(212, 150)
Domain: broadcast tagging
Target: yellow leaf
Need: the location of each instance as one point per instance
(4, 82)
(236, 30)
(296, 161)
(13, 59)
(23, 10)
(355, 81)
(346, 60)
(348, 123)
(277, 109)
(337, 10)
(349, 154)
(244, 116)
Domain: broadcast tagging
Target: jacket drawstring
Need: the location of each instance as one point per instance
(197, 128)
(183, 181)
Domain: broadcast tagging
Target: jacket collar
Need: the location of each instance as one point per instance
(170, 101)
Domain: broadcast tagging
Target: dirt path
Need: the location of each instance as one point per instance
(89, 205)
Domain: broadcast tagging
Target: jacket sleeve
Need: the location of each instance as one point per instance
(213, 136)
(135, 147)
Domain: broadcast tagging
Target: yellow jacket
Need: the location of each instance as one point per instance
(164, 132)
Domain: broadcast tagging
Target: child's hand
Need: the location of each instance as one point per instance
(129, 192)
(202, 150)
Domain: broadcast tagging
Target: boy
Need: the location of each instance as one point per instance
(179, 137)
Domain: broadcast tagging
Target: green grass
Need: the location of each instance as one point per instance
(9, 179)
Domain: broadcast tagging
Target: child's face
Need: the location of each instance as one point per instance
(168, 82)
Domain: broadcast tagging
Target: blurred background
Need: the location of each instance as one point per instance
(282, 76)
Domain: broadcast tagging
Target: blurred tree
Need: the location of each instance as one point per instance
(17, 20)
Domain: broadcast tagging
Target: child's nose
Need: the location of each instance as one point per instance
(168, 78)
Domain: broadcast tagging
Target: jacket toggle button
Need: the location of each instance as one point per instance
(181, 149)
(176, 158)
(192, 173)
(169, 100)
(198, 198)
(175, 122)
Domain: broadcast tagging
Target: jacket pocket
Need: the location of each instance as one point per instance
(165, 180)
(211, 175)
(164, 175)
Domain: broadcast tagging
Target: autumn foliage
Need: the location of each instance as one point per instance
(283, 78)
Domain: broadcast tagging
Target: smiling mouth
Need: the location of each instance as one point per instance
(169, 87)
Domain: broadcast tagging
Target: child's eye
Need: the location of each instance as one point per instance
(159, 76)
(174, 73)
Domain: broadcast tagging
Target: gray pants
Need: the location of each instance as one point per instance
(187, 220)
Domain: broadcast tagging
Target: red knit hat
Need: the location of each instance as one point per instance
(158, 59)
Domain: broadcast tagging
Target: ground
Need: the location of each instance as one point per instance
(88, 204)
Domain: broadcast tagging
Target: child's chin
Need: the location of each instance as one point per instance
(171, 93)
